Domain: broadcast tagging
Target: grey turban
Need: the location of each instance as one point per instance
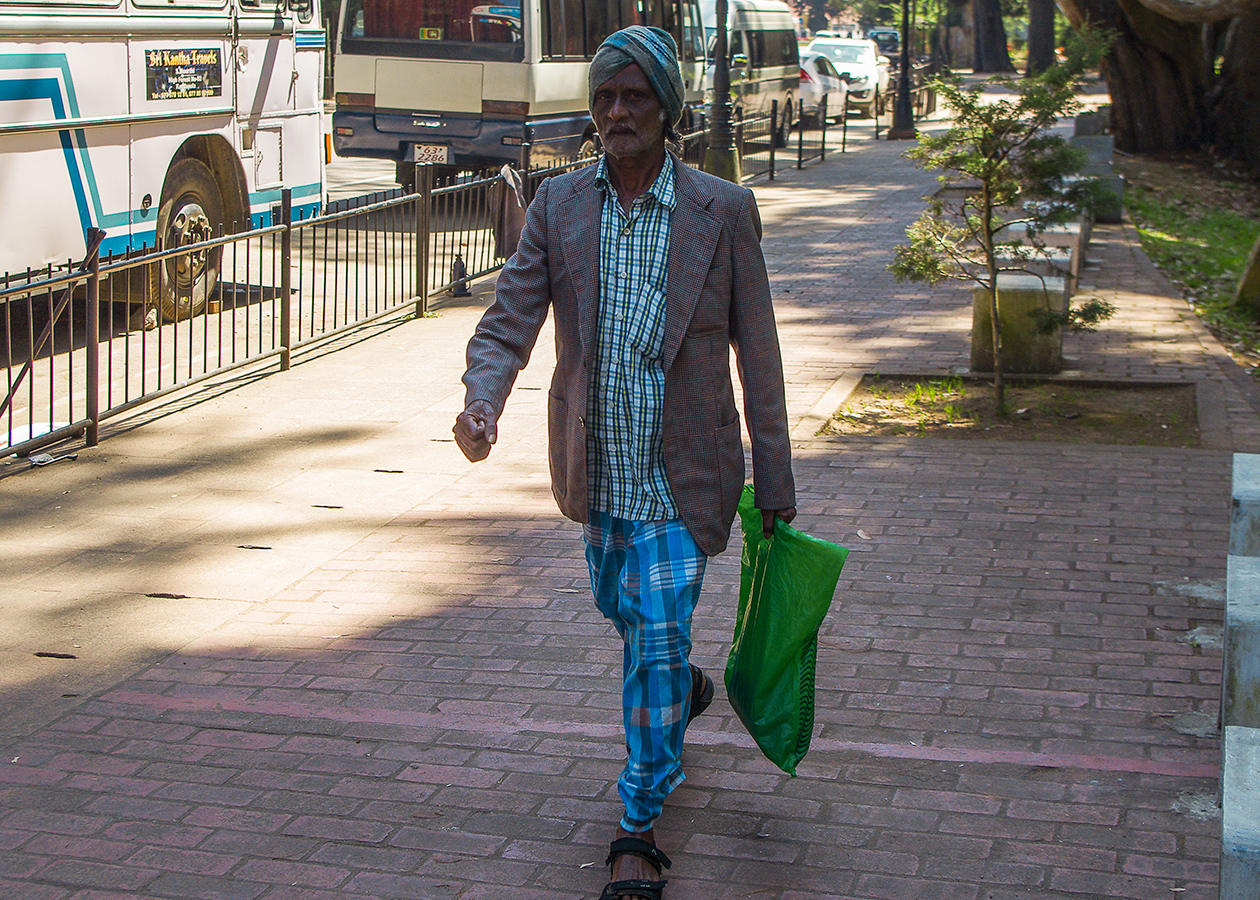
(655, 53)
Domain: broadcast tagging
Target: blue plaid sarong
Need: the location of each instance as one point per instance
(646, 578)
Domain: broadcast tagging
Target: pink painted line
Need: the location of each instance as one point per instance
(980, 756)
(519, 725)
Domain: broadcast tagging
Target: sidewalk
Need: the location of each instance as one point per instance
(321, 656)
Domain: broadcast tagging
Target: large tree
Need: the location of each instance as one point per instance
(1040, 36)
(991, 54)
(1166, 94)
(1235, 98)
(815, 14)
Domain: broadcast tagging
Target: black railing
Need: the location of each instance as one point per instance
(93, 340)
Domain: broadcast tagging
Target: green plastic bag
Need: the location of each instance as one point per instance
(785, 587)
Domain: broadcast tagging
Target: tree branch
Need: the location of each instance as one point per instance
(1201, 11)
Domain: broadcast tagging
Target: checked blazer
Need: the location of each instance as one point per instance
(717, 298)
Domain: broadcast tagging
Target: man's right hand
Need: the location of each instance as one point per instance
(476, 429)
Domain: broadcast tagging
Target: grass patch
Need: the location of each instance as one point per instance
(1198, 220)
(1164, 415)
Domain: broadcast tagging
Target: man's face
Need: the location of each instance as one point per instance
(628, 115)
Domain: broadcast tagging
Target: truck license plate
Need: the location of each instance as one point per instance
(436, 154)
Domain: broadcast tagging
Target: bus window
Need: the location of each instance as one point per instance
(432, 21)
(693, 35)
(496, 24)
(574, 29)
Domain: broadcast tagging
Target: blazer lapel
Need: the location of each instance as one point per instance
(693, 239)
(579, 216)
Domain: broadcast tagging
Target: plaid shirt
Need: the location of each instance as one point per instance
(625, 459)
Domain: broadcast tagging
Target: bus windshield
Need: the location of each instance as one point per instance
(433, 28)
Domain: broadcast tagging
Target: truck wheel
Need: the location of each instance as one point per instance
(191, 212)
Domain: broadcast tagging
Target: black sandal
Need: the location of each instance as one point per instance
(701, 692)
(635, 887)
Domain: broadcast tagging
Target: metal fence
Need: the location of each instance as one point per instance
(762, 148)
(91, 341)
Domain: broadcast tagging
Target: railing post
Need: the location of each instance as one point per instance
(286, 278)
(822, 130)
(800, 143)
(527, 166)
(423, 208)
(92, 345)
(844, 125)
(774, 133)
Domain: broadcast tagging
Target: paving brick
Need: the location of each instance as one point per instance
(30, 891)
(396, 885)
(86, 873)
(337, 829)
(197, 887)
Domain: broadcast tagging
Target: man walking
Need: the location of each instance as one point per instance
(653, 271)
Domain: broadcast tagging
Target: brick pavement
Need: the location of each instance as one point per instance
(1017, 682)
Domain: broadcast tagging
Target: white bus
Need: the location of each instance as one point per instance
(159, 121)
(764, 60)
(469, 85)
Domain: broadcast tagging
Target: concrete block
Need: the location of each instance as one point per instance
(1244, 521)
(1024, 349)
(1111, 209)
(1240, 650)
(1053, 262)
(1073, 236)
(1099, 149)
(1092, 122)
(1240, 814)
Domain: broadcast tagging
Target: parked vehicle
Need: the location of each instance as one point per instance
(888, 39)
(160, 123)
(869, 80)
(819, 78)
(466, 85)
(764, 60)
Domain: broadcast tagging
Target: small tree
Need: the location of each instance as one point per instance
(1007, 178)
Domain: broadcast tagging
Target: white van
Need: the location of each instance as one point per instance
(765, 62)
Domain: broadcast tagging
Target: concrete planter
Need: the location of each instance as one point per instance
(1025, 350)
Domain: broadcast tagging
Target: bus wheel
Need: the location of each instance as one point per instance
(589, 147)
(191, 212)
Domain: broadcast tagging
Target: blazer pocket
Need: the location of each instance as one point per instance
(729, 446)
(560, 441)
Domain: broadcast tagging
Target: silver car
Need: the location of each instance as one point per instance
(819, 78)
(869, 81)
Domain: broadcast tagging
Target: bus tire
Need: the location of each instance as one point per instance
(589, 147)
(191, 212)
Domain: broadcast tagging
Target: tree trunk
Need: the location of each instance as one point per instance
(1248, 293)
(991, 53)
(1156, 72)
(1040, 36)
(1161, 84)
(817, 10)
(1233, 125)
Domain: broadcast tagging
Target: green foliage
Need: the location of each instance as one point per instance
(1005, 179)
(1085, 317)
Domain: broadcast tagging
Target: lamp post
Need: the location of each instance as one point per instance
(720, 157)
(903, 112)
